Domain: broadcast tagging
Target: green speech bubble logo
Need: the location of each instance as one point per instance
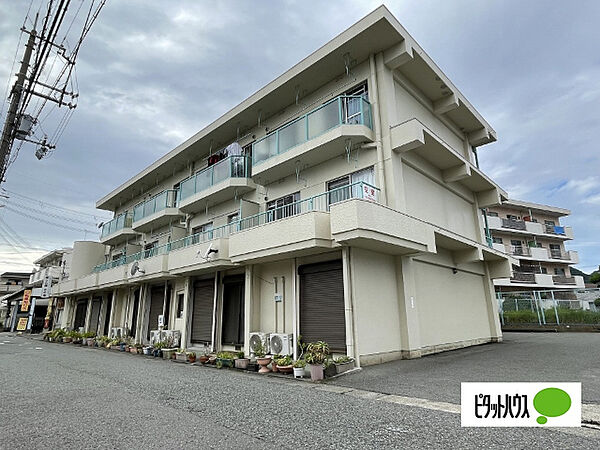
(552, 402)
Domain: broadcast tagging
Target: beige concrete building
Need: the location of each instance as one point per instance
(533, 234)
(341, 202)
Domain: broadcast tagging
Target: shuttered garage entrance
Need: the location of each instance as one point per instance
(322, 316)
(202, 317)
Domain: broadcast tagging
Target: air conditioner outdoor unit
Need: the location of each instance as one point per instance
(173, 336)
(282, 344)
(116, 332)
(256, 338)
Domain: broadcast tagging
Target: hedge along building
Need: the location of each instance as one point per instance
(340, 202)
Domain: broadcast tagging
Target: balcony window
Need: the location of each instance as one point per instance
(339, 189)
(497, 240)
(283, 207)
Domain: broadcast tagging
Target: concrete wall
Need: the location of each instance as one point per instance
(86, 255)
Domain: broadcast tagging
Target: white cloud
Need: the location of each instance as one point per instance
(581, 186)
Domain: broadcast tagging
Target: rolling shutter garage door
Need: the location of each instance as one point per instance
(157, 296)
(322, 315)
(202, 316)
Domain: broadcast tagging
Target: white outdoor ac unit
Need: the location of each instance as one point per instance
(257, 337)
(116, 332)
(281, 344)
(173, 336)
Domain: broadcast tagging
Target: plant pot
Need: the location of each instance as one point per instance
(274, 366)
(252, 366)
(191, 359)
(157, 353)
(298, 372)
(212, 359)
(180, 357)
(203, 359)
(133, 350)
(341, 368)
(168, 353)
(316, 372)
(223, 362)
(242, 363)
(122, 347)
(263, 363)
(329, 371)
(148, 351)
(285, 369)
(67, 340)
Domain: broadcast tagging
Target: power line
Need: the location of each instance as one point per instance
(46, 213)
(39, 219)
(95, 216)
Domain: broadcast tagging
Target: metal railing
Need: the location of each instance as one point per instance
(523, 277)
(514, 224)
(234, 166)
(342, 110)
(562, 279)
(165, 199)
(320, 202)
(123, 220)
(554, 229)
(518, 250)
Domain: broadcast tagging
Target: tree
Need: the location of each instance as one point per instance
(595, 277)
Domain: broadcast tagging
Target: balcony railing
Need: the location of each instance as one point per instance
(231, 167)
(553, 229)
(118, 223)
(561, 279)
(514, 224)
(342, 110)
(519, 250)
(558, 254)
(320, 202)
(166, 199)
(523, 277)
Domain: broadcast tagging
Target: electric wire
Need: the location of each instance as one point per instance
(47, 213)
(39, 219)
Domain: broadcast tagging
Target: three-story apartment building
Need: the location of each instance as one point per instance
(341, 202)
(532, 233)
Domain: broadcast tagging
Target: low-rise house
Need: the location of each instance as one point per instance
(341, 202)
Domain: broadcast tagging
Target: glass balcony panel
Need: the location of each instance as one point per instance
(265, 148)
(292, 134)
(187, 187)
(323, 119)
(221, 171)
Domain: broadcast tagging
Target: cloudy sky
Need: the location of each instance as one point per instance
(152, 73)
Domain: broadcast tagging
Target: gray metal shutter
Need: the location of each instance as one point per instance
(80, 312)
(157, 296)
(233, 310)
(202, 316)
(322, 316)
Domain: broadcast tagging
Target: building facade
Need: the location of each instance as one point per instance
(533, 234)
(341, 202)
(10, 284)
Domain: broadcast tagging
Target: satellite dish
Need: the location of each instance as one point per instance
(136, 268)
(208, 251)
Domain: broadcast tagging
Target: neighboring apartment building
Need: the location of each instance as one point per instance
(533, 234)
(341, 202)
(10, 283)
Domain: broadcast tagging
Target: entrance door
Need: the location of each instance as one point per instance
(202, 315)
(80, 311)
(157, 297)
(322, 315)
(233, 311)
(109, 301)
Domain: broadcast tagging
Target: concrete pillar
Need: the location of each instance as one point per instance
(88, 315)
(492, 306)
(111, 319)
(102, 315)
(410, 330)
(143, 315)
(187, 313)
(349, 312)
(248, 289)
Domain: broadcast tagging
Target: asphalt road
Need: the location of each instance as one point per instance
(550, 357)
(67, 397)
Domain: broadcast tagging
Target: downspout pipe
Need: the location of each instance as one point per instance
(374, 96)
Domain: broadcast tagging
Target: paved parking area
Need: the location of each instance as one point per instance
(70, 397)
(520, 357)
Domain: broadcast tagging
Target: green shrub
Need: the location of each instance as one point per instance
(525, 316)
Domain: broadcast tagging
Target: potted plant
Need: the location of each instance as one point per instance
(191, 357)
(329, 368)
(299, 367)
(262, 360)
(204, 358)
(316, 355)
(285, 364)
(169, 353)
(343, 364)
(241, 362)
(181, 355)
(148, 350)
(225, 359)
(274, 359)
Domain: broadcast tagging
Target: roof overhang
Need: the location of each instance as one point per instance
(376, 32)
(537, 208)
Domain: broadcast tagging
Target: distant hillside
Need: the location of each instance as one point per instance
(586, 277)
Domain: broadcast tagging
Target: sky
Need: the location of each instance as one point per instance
(151, 76)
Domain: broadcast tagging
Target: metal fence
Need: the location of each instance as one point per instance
(550, 307)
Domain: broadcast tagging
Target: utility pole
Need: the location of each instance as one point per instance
(11, 124)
